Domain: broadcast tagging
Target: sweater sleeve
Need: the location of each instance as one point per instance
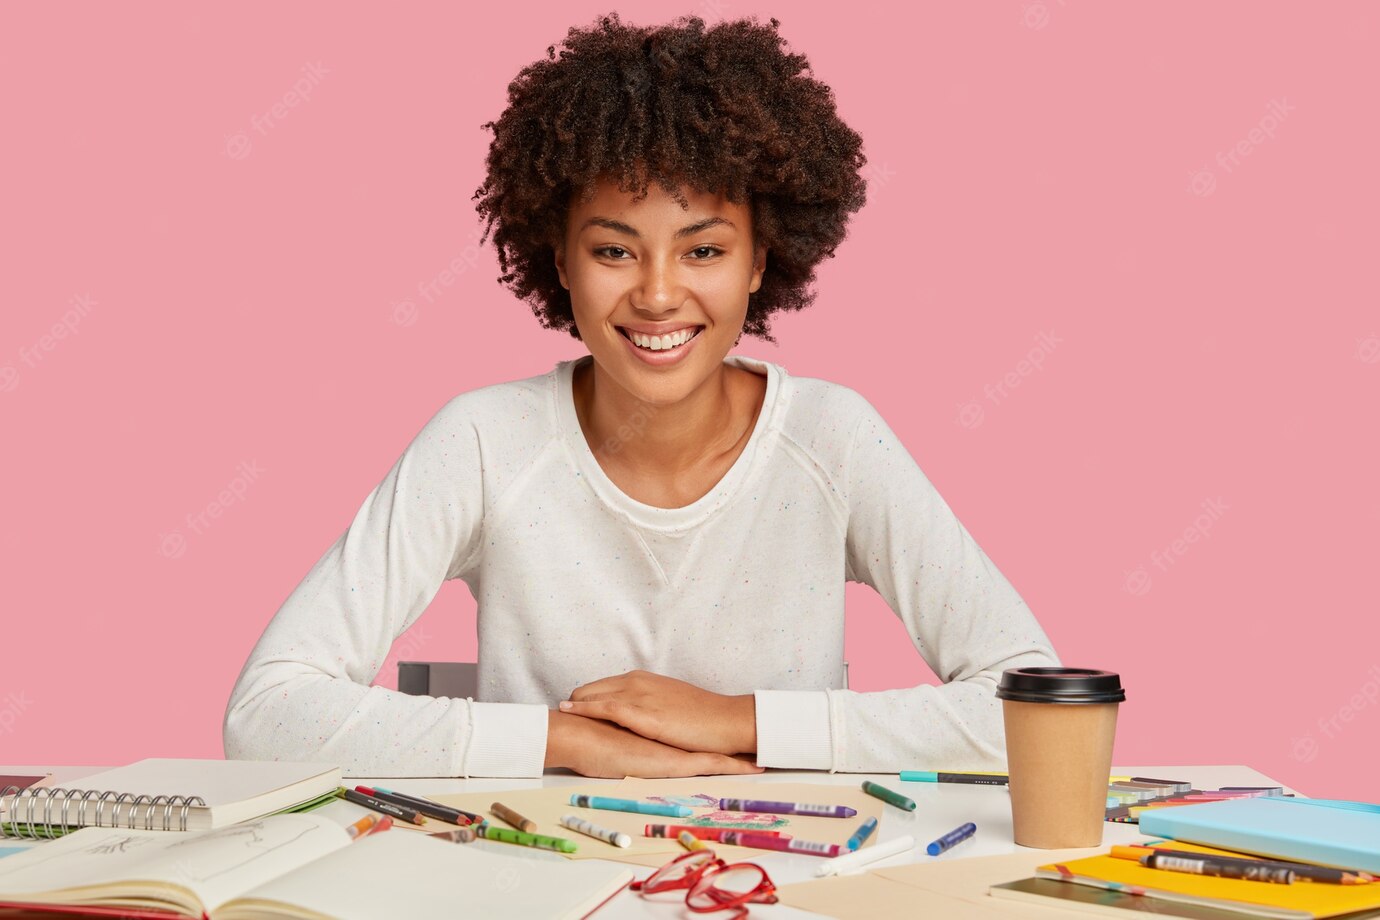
(965, 619)
(305, 694)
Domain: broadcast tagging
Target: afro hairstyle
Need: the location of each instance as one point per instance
(720, 110)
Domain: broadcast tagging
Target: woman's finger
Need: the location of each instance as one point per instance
(602, 685)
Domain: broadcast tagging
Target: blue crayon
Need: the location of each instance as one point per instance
(957, 835)
(641, 808)
(862, 833)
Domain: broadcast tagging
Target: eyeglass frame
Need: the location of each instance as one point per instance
(764, 893)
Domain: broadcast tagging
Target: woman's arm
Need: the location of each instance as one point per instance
(305, 694)
(963, 616)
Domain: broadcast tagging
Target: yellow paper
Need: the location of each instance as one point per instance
(1317, 899)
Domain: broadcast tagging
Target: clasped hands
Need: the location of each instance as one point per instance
(648, 725)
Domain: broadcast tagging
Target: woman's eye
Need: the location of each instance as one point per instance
(615, 252)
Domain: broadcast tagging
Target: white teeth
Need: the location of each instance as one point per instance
(662, 342)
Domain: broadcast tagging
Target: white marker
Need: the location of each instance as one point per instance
(841, 864)
(617, 838)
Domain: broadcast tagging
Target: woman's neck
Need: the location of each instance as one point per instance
(669, 438)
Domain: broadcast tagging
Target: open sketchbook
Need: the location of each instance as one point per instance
(297, 866)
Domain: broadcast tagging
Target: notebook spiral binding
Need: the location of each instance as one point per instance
(19, 810)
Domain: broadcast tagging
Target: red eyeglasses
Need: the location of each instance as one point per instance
(713, 884)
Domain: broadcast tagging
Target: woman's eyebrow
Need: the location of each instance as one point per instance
(619, 227)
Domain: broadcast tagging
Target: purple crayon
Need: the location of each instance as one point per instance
(788, 808)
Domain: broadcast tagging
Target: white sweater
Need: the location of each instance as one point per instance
(741, 591)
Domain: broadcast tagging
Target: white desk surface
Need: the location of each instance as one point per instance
(940, 808)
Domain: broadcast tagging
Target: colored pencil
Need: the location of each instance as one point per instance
(426, 806)
(400, 812)
(1302, 871)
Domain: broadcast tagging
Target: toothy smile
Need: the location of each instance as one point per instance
(661, 342)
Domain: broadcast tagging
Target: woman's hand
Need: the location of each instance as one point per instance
(670, 711)
(592, 747)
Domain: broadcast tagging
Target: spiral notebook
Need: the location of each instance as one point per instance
(167, 794)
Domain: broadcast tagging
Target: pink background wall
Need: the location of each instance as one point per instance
(216, 307)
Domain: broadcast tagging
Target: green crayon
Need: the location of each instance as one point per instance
(886, 795)
(522, 838)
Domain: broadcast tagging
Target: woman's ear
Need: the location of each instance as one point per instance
(559, 249)
(759, 265)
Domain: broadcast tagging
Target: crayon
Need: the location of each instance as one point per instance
(522, 838)
(784, 844)
(787, 808)
(886, 795)
(641, 808)
(690, 841)
(703, 833)
(862, 833)
(951, 839)
(872, 854)
(590, 829)
(516, 820)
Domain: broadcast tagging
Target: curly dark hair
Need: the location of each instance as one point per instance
(723, 109)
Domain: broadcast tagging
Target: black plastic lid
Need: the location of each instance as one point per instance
(1060, 685)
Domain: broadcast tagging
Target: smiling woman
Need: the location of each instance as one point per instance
(659, 548)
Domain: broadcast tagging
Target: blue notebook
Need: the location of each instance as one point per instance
(1326, 832)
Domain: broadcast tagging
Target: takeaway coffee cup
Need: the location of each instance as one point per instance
(1060, 724)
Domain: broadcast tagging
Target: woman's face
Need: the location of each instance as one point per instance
(645, 268)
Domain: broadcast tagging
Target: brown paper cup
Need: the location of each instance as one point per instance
(1059, 754)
